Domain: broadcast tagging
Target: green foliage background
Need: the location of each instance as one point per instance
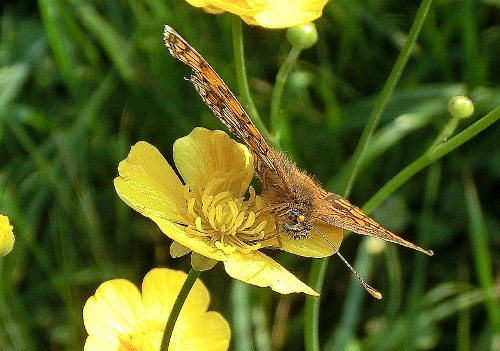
(82, 81)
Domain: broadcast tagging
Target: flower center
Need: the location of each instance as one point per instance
(227, 222)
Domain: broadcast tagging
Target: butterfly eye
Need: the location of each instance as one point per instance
(295, 217)
(295, 224)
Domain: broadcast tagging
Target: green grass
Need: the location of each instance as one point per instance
(80, 82)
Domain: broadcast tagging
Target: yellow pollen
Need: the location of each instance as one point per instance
(234, 211)
(197, 223)
(227, 222)
(218, 214)
(238, 221)
(220, 196)
(206, 201)
(301, 218)
(250, 219)
(190, 207)
(211, 217)
(260, 228)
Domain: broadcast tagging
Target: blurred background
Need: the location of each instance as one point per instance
(82, 81)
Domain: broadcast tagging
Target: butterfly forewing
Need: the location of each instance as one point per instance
(215, 93)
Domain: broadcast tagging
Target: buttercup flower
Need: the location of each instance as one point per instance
(6, 236)
(119, 318)
(267, 13)
(210, 214)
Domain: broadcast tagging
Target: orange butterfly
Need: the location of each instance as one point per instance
(294, 199)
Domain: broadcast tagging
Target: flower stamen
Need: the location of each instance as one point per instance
(227, 222)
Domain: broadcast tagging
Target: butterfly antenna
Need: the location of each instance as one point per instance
(374, 292)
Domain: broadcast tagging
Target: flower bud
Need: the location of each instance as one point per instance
(461, 107)
(302, 36)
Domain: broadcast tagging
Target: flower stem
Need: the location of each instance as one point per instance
(177, 307)
(386, 93)
(425, 229)
(482, 255)
(318, 267)
(242, 79)
(279, 87)
(311, 310)
(438, 149)
(355, 294)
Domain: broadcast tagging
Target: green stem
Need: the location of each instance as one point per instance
(446, 132)
(311, 313)
(433, 154)
(386, 93)
(464, 338)
(318, 267)
(177, 307)
(482, 255)
(242, 79)
(355, 294)
(242, 325)
(426, 224)
(279, 87)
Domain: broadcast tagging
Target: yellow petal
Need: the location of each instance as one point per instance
(148, 184)
(117, 319)
(260, 270)
(288, 13)
(205, 154)
(198, 3)
(238, 7)
(160, 288)
(113, 309)
(209, 332)
(193, 243)
(7, 238)
(316, 246)
(101, 342)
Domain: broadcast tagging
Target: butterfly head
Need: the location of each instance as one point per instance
(296, 223)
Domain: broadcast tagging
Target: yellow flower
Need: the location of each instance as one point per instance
(210, 215)
(119, 318)
(267, 13)
(6, 236)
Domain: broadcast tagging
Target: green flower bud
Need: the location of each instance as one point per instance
(461, 107)
(303, 36)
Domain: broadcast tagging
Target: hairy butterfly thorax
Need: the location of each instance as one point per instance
(291, 199)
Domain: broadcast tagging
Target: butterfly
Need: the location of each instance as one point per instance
(295, 200)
